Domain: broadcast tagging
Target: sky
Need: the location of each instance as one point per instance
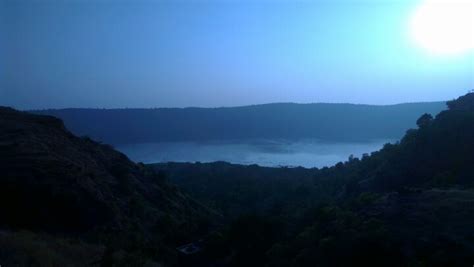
(180, 53)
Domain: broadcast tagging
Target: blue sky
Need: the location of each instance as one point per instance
(104, 53)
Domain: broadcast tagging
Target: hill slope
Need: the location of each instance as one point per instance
(409, 204)
(332, 122)
(53, 182)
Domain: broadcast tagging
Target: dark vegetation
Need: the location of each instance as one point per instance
(56, 185)
(409, 204)
(328, 122)
(72, 201)
(234, 189)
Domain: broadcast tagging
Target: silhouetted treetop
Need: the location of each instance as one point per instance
(424, 120)
(465, 103)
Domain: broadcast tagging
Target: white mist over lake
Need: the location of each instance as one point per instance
(271, 153)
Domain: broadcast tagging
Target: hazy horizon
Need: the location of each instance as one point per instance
(109, 54)
(242, 106)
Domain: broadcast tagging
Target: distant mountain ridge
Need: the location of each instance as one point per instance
(327, 122)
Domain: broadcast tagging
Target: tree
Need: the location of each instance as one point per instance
(465, 103)
(424, 120)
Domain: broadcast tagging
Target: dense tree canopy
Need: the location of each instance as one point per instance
(405, 205)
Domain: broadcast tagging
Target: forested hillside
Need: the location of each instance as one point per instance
(409, 204)
(69, 201)
(327, 122)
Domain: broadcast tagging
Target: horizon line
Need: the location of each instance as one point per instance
(238, 106)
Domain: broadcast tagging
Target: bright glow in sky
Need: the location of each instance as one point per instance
(444, 26)
(167, 53)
